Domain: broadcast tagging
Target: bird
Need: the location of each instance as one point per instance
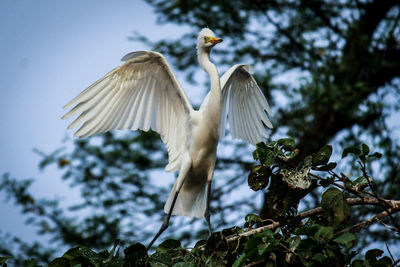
(143, 93)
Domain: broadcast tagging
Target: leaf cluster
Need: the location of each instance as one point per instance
(325, 235)
(309, 246)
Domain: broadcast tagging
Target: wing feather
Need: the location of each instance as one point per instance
(143, 93)
(244, 105)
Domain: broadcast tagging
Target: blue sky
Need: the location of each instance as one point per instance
(50, 51)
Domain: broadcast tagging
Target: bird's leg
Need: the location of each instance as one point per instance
(185, 168)
(164, 226)
(207, 212)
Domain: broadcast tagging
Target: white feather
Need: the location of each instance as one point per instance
(132, 96)
(247, 105)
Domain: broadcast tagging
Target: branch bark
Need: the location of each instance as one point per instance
(366, 223)
(395, 204)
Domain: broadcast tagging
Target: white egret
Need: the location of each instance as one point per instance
(143, 93)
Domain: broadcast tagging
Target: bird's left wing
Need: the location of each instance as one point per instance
(244, 104)
(142, 93)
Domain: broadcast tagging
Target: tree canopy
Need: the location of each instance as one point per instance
(330, 70)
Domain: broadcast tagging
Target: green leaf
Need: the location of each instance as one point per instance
(216, 259)
(385, 261)
(216, 242)
(168, 245)
(287, 143)
(266, 154)
(327, 167)
(253, 243)
(78, 251)
(326, 182)
(294, 242)
(359, 183)
(184, 264)
(115, 262)
(365, 149)
(134, 253)
(59, 262)
(254, 248)
(263, 248)
(200, 243)
(240, 261)
(308, 230)
(259, 177)
(375, 155)
(319, 257)
(270, 157)
(307, 161)
(373, 254)
(334, 203)
(82, 255)
(272, 256)
(252, 219)
(324, 233)
(261, 150)
(323, 155)
(160, 259)
(346, 239)
(351, 150)
(232, 231)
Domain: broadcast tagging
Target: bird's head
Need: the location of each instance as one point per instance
(206, 40)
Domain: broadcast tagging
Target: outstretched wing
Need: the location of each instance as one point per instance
(142, 93)
(244, 104)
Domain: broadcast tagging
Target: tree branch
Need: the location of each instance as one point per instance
(395, 204)
(366, 223)
(383, 203)
(315, 7)
(345, 188)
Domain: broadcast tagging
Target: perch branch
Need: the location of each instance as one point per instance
(351, 201)
(366, 223)
(364, 200)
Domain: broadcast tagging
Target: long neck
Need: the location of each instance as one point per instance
(213, 108)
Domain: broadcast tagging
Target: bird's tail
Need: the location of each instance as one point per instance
(191, 202)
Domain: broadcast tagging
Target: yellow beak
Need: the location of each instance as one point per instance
(215, 40)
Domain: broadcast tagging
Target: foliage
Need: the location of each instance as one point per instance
(323, 235)
(330, 70)
(311, 246)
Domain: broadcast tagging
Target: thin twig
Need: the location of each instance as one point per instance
(390, 253)
(364, 171)
(388, 227)
(254, 263)
(368, 222)
(383, 202)
(321, 14)
(345, 188)
(285, 32)
(351, 190)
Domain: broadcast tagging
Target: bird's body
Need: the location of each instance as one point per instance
(144, 93)
(197, 167)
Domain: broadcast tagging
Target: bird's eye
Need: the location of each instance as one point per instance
(207, 39)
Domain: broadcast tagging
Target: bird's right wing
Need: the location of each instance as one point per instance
(142, 93)
(246, 104)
